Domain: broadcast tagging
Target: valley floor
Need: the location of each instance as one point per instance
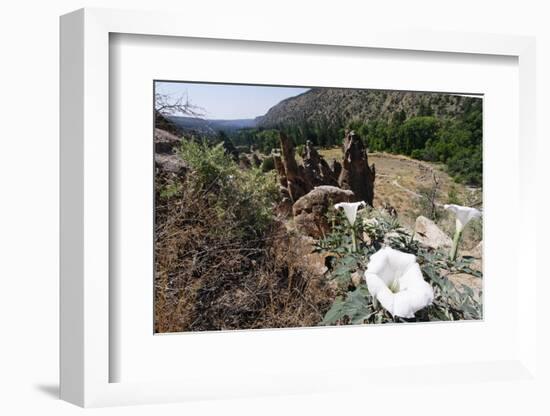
(400, 180)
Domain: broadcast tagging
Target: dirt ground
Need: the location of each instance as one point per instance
(399, 180)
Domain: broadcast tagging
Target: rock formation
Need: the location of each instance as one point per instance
(285, 206)
(356, 173)
(280, 169)
(336, 168)
(170, 165)
(311, 209)
(316, 169)
(296, 183)
(166, 142)
(310, 186)
(166, 160)
(299, 179)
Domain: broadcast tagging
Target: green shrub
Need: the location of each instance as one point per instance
(243, 197)
(170, 190)
(452, 196)
(211, 165)
(417, 154)
(268, 164)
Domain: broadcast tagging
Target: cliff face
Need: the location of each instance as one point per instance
(339, 105)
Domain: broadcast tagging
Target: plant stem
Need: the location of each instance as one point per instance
(353, 241)
(456, 241)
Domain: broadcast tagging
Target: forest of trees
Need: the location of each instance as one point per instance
(455, 142)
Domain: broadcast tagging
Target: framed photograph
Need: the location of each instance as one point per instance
(256, 215)
(286, 207)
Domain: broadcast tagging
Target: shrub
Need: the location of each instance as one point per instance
(211, 165)
(452, 196)
(268, 164)
(170, 189)
(243, 195)
(417, 154)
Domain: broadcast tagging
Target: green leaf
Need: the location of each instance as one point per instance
(356, 306)
(335, 313)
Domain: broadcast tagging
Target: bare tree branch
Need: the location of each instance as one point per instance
(168, 105)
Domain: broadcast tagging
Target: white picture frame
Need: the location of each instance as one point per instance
(86, 356)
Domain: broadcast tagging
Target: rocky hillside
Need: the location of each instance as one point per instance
(343, 105)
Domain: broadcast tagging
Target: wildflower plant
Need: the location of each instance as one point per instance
(358, 304)
(350, 210)
(395, 279)
(463, 216)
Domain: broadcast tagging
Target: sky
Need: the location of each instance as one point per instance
(229, 102)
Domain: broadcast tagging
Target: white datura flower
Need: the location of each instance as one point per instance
(350, 209)
(394, 278)
(463, 215)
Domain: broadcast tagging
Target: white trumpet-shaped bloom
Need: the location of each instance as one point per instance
(350, 209)
(463, 215)
(395, 279)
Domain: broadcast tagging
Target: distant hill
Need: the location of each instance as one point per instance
(340, 106)
(209, 127)
(336, 107)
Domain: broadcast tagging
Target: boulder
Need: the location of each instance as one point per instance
(314, 262)
(165, 142)
(427, 233)
(298, 251)
(476, 252)
(170, 165)
(463, 279)
(310, 211)
(476, 255)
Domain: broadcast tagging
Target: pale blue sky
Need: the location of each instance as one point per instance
(225, 101)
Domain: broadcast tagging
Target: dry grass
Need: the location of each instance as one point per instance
(209, 277)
